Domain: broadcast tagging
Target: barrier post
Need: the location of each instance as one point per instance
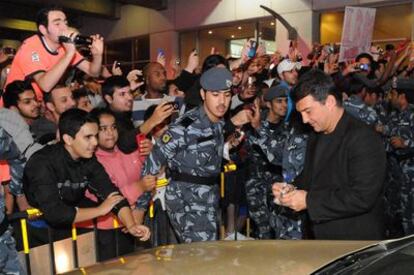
(51, 251)
(25, 245)
(116, 228)
(75, 246)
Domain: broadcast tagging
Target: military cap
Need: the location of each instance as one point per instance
(216, 79)
(276, 92)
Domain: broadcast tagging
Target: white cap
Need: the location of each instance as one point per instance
(288, 65)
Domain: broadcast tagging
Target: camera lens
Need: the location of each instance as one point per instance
(83, 40)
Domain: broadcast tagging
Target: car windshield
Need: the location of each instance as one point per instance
(388, 257)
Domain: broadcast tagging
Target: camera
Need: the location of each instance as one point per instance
(78, 40)
(362, 67)
(174, 104)
(140, 78)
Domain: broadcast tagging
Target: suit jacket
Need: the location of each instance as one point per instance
(344, 176)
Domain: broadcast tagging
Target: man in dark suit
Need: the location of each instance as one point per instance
(342, 181)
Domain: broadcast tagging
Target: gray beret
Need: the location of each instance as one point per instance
(216, 79)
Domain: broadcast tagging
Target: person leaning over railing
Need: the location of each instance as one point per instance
(56, 177)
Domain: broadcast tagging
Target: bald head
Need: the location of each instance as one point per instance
(155, 77)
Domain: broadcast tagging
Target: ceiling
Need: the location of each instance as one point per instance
(241, 30)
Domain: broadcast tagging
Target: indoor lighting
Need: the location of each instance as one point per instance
(232, 36)
(239, 27)
(210, 32)
(272, 23)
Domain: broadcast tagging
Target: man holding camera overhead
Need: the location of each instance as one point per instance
(45, 57)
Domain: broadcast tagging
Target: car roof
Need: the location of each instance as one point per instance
(230, 257)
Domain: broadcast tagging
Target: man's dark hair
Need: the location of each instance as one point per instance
(364, 55)
(79, 93)
(116, 81)
(355, 86)
(318, 85)
(72, 120)
(13, 90)
(42, 17)
(375, 90)
(96, 113)
(47, 97)
(212, 61)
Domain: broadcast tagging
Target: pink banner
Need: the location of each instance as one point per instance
(356, 32)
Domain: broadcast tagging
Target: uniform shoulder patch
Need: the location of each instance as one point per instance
(166, 138)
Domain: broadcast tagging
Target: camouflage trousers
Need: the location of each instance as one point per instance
(407, 196)
(286, 224)
(9, 259)
(257, 191)
(392, 198)
(192, 209)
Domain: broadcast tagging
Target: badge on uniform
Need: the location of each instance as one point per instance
(35, 57)
(166, 138)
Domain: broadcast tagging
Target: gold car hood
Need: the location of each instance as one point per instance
(230, 257)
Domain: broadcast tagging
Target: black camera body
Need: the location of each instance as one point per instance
(78, 40)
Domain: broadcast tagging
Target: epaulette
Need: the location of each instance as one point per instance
(187, 121)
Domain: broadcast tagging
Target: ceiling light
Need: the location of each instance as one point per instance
(232, 36)
(210, 32)
(272, 23)
(239, 27)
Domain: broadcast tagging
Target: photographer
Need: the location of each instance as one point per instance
(46, 56)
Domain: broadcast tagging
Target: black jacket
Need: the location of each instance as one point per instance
(55, 183)
(345, 179)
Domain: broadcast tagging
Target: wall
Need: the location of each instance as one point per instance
(189, 14)
(386, 27)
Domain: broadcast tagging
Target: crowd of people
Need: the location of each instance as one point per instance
(322, 149)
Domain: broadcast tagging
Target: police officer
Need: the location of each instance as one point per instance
(261, 172)
(285, 148)
(192, 148)
(355, 104)
(9, 259)
(400, 147)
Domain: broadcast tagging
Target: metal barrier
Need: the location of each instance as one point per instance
(33, 214)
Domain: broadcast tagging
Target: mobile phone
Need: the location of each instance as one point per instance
(161, 52)
(118, 64)
(139, 138)
(252, 51)
(362, 67)
(175, 105)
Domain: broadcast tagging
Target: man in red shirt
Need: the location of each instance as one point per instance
(44, 59)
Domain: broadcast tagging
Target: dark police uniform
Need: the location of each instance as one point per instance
(192, 148)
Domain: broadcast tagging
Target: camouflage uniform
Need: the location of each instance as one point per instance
(286, 150)
(9, 260)
(401, 190)
(358, 109)
(192, 148)
(259, 182)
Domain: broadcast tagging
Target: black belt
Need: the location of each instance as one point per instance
(402, 157)
(194, 179)
(4, 225)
